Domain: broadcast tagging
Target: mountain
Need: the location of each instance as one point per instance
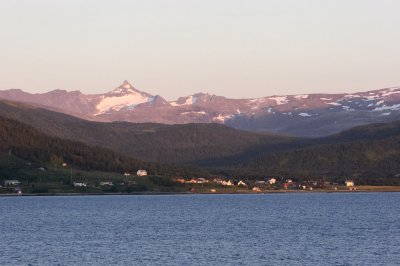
(306, 115)
(184, 143)
(368, 153)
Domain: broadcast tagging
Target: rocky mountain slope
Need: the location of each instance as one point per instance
(307, 115)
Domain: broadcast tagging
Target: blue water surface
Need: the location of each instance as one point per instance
(270, 229)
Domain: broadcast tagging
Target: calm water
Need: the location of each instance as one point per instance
(279, 229)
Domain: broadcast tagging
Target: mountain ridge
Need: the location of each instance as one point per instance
(304, 115)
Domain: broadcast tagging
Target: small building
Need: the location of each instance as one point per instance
(127, 174)
(213, 190)
(79, 184)
(191, 181)
(227, 183)
(13, 182)
(106, 183)
(260, 182)
(256, 189)
(241, 183)
(349, 183)
(272, 181)
(201, 180)
(141, 172)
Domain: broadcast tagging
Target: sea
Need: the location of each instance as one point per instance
(258, 229)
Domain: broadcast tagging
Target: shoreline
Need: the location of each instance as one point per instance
(368, 189)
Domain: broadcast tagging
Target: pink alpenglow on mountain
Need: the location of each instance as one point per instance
(302, 115)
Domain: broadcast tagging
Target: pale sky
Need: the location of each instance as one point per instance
(237, 49)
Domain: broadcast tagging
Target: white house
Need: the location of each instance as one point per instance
(79, 184)
(141, 172)
(349, 183)
(227, 183)
(241, 183)
(11, 182)
(106, 183)
(272, 181)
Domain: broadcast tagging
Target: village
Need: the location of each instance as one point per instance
(141, 181)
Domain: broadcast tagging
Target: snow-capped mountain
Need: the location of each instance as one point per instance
(302, 115)
(124, 97)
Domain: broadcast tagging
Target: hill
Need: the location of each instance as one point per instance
(184, 143)
(26, 142)
(370, 154)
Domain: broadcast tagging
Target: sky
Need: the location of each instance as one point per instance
(233, 48)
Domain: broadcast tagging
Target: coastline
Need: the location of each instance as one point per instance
(360, 189)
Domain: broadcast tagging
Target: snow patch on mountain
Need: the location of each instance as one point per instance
(304, 114)
(193, 112)
(116, 103)
(279, 99)
(301, 96)
(189, 101)
(334, 103)
(385, 107)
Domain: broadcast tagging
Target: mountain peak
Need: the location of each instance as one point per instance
(125, 88)
(126, 85)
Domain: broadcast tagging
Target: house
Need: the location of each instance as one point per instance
(349, 183)
(201, 180)
(127, 174)
(260, 182)
(141, 172)
(218, 180)
(11, 183)
(191, 181)
(285, 185)
(272, 181)
(227, 183)
(79, 184)
(180, 180)
(241, 183)
(106, 183)
(256, 189)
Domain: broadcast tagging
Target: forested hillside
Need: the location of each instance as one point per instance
(25, 142)
(150, 142)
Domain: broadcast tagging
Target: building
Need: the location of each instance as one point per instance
(106, 183)
(13, 182)
(201, 180)
(241, 183)
(79, 184)
(141, 173)
(127, 174)
(227, 183)
(349, 183)
(272, 181)
(256, 189)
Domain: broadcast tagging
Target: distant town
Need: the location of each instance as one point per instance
(141, 181)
